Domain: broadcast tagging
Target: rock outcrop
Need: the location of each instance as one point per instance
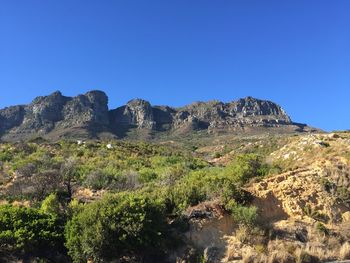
(136, 113)
(88, 109)
(319, 174)
(48, 113)
(57, 114)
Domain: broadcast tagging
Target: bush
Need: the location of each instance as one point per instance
(5, 156)
(245, 167)
(97, 180)
(173, 173)
(29, 230)
(115, 226)
(242, 214)
(230, 191)
(192, 189)
(51, 205)
(203, 185)
(147, 175)
(184, 195)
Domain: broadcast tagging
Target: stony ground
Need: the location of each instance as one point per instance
(301, 208)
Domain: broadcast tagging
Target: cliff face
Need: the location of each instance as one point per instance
(49, 113)
(56, 113)
(136, 113)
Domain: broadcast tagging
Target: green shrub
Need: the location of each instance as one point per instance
(195, 187)
(29, 230)
(166, 160)
(98, 180)
(230, 191)
(242, 214)
(51, 205)
(196, 163)
(115, 225)
(5, 156)
(186, 194)
(246, 166)
(147, 175)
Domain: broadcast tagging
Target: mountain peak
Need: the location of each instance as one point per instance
(89, 114)
(138, 101)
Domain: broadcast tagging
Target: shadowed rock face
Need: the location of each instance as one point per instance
(136, 112)
(43, 113)
(88, 109)
(53, 113)
(11, 117)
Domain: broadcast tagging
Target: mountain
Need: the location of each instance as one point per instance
(88, 116)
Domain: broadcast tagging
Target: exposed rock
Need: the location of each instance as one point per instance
(87, 109)
(70, 116)
(136, 112)
(314, 186)
(11, 117)
(55, 111)
(109, 146)
(209, 229)
(217, 116)
(42, 113)
(205, 211)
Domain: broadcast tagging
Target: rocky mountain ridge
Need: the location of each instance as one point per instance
(59, 116)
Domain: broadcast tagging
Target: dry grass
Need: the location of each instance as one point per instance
(280, 251)
(250, 235)
(303, 256)
(280, 257)
(251, 256)
(260, 248)
(344, 252)
(231, 254)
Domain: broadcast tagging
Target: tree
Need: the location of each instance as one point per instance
(45, 183)
(68, 173)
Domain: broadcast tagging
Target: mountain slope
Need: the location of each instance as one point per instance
(87, 115)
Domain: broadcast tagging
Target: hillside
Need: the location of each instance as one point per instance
(85, 116)
(247, 198)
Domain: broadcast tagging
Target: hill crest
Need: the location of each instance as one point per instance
(88, 115)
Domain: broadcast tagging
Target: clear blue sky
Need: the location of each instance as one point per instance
(293, 52)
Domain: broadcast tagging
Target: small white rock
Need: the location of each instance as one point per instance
(109, 146)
